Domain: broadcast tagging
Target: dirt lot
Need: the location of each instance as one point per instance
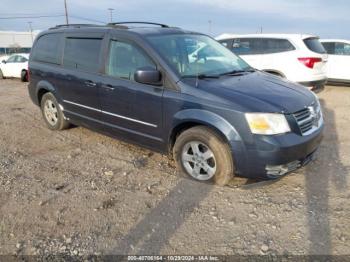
(77, 192)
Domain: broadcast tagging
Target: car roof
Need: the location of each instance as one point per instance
(146, 29)
(335, 40)
(26, 55)
(286, 36)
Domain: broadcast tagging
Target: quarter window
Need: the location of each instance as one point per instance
(82, 54)
(48, 48)
(125, 59)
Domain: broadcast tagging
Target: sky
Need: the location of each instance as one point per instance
(325, 18)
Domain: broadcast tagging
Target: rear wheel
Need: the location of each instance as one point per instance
(24, 76)
(203, 155)
(52, 113)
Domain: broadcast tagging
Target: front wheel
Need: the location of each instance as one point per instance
(1, 75)
(203, 155)
(52, 113)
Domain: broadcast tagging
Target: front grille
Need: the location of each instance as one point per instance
(309, 119)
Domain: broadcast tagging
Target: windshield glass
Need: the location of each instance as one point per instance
(194, 55)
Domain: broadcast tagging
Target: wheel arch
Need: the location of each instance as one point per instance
(196, 117)
(275, 72)
(42, 88)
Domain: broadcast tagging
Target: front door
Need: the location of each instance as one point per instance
(129, 107)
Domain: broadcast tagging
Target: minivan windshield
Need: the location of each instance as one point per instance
(192, 55)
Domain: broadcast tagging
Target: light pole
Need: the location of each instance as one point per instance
(209, 23)
(31, 30)
(111, 13)
(66, 11)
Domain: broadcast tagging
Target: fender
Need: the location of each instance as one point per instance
(209, 119)
(45, 85)
(219, 124)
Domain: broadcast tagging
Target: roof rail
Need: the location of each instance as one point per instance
(146, 23)
(74, 25)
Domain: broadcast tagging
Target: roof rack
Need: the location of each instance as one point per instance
(146, 23)
(74, 25)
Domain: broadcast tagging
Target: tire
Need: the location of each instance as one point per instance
(52, 113)
(1, 75)
(214, 160)
(24, 76)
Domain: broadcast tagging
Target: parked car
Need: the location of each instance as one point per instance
(338, 66)
(15, 66)
(217, 117)
(299, 58)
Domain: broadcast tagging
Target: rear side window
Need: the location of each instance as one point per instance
(82, 54)
(48, 49)
(314, 45)
(271, 45)
(330, 47)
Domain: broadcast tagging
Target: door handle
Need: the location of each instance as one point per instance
(90, 83)
(108, 87)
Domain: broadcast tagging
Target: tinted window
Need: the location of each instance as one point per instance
(125, 59)
(12, 59)
(247, 46)
(227, 43)
(22, 59)
(314, 45)
(276, 45)
(330, 47)
(342, 49)
(48, 48)
(82, 54)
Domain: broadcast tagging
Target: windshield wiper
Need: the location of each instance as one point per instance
(201, 76)
(237, 72)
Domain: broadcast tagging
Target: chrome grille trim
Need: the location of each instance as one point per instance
(309, 119)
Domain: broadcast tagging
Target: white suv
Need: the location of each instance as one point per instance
(299, 58)
(338, 66)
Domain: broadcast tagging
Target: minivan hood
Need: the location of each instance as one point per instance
(258, 92)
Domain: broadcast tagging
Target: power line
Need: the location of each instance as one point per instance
(88, 19)
(26, 17)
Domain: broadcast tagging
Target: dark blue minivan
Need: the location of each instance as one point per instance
(176, 92)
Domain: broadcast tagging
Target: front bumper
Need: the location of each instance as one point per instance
(274, 156)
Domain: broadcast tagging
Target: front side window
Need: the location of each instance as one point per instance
(125, 59)
(12, 59)
(82, 54)
(48, 49)
(247, 46)
(209, 58)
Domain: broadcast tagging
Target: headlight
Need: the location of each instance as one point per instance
(267, 123)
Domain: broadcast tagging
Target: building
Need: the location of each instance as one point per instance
(16, 42)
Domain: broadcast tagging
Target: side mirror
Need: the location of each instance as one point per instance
(3, 61)
(148, 76)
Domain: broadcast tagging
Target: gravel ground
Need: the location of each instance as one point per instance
(77, 192)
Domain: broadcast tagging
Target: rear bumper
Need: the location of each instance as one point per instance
(274, 156)
(316, 86)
